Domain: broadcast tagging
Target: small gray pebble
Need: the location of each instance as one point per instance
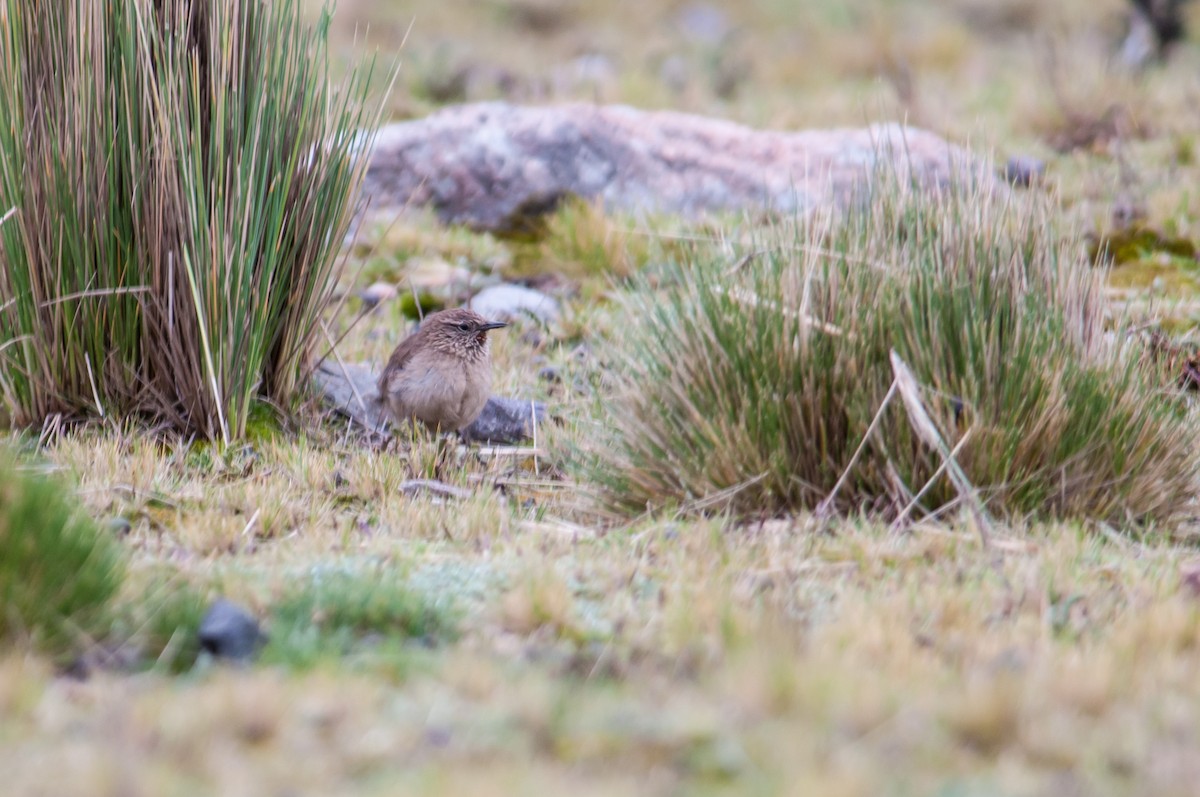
(704, 23)
(228, 631)
(120, 526)
(1024, 171)
(438, 737)
(376, 294)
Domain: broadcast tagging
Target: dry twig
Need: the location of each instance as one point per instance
(927, 430)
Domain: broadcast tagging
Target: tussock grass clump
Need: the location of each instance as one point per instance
(749, 388)
(176, 178)
(58, 572)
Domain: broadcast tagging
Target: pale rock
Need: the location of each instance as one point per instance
(495, 166)
(703, 23)
(509, 302)
(434, 274)
(376, 294)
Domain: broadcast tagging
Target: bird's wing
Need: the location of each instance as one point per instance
(400, 357)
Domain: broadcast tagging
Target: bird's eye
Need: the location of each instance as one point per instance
(465, 327)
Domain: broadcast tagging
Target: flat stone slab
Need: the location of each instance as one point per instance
(352, 391)
(495, 166)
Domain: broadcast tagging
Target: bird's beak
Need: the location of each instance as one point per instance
(492, 325)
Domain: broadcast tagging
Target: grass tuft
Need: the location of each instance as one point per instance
(581, 241)
(336, 613)
(58, 571)
(181, 177)
(749, 388)
(161, 623)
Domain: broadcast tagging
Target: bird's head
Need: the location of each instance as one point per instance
(460, 331)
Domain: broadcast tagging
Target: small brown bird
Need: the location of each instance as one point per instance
(441, 375)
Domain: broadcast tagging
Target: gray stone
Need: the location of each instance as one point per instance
(352, 392)
(1024, 171)
(495, 166)
(433, 487)
(591, 71)
(1155, 26)
(675, 72)
(510, 302)
(230, 632)
(1141, 45)
(505, 420)
(120, 526)
(703, 23)
(377, 293)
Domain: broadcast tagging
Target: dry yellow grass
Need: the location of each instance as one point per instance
(752, 657)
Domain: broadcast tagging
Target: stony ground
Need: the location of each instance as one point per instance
(661, 656)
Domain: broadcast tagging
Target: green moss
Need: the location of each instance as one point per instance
(263, 424)
(381, 268)
(416, 306)
(1139, 243)
(1185, 150)
(1165, 275)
